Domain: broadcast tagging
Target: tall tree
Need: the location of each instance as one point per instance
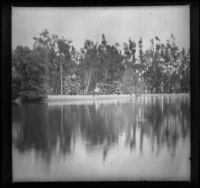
(60, 52)
(49, 42)
(171, 63)
(184, 71)
(132, 82)
(141, 66)
(34, 78)
(129, 54)
(64, 56)
(19, 55)
(89, 64)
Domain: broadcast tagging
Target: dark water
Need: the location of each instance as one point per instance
(143, 139)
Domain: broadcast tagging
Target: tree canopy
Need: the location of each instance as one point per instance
(54, 66)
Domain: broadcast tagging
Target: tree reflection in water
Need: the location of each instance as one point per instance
(48, 129)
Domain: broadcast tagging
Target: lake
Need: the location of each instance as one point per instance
(147, 138)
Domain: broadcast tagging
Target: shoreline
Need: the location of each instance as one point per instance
(115, 96)
(90, 99)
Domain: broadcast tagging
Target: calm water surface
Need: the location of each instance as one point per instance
(142, 139)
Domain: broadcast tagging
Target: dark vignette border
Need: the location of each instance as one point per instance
(6, 157)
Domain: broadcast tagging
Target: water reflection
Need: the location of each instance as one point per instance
(102, 127)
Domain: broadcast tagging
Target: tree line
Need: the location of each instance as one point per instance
(55, 67)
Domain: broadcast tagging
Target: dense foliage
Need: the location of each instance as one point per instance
(53, 67)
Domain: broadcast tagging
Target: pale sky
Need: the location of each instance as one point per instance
(117, 23)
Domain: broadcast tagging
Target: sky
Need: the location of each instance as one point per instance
(117, 23)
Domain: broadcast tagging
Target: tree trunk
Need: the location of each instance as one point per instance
(61, 77)
(88, 81)
(106, 74)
